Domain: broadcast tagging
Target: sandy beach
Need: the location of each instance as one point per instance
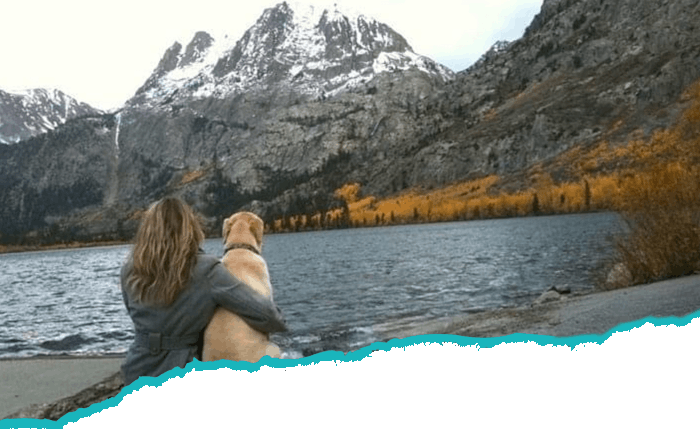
(49, 387)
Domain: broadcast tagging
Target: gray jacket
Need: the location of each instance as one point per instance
(168, 337)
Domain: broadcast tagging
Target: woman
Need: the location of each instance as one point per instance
(171, 289)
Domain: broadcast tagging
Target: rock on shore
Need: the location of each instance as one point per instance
(94, 394)
(553, 294)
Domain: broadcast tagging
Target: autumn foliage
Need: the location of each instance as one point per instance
(662, 212)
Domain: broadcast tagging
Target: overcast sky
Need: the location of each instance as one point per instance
(101, 52)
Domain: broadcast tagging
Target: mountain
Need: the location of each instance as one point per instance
(313, 51)
(309, 99)
(584, 71)
(32, 112)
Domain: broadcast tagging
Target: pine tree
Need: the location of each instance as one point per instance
(346, 222)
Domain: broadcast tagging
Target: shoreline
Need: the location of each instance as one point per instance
(12, 249)
(97, 377)
(594, 313)
(476, 323)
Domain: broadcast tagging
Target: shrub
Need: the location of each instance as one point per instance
(662, 211)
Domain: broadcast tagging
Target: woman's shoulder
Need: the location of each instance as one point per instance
(210, 273)
(206, 263)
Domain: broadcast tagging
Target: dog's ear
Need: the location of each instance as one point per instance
(227, 227)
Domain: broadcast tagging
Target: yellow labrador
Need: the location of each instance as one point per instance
(228, 336)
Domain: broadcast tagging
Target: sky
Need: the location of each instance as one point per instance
(101, 52)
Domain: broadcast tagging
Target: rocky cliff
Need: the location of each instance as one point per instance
(309, 99)
(585, 70)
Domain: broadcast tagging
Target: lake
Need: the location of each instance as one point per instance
(340, 290)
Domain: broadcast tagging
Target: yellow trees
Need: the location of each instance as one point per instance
(348, 193)
(413, 205)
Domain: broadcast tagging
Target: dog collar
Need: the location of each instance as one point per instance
(247, 246)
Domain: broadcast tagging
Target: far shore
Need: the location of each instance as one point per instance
(9, 249)
(32, 247)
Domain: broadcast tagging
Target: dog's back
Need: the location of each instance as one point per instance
(251, 269)
(228, 336)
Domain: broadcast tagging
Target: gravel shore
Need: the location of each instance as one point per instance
(574, 315)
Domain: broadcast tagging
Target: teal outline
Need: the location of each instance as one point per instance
(357, 355)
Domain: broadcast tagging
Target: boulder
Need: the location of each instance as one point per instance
(618, 277)
(547, 297)
(561, 289)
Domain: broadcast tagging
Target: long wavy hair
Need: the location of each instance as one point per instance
(165, 252)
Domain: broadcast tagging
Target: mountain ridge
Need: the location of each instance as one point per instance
(27, 113)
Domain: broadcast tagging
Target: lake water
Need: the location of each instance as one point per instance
(340, 290)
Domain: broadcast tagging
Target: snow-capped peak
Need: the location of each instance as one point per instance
(317, 49)
(27, 113)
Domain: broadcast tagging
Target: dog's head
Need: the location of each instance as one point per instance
(244, 227)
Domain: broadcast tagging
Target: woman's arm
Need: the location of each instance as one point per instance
(258, 311)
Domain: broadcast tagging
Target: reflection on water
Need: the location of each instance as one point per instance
(340, 290)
